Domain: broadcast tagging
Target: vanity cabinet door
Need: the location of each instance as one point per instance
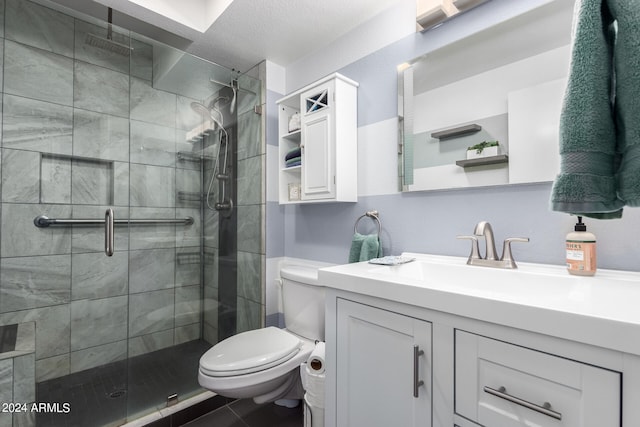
(383, 368)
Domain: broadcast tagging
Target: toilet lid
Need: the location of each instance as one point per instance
(250, 351)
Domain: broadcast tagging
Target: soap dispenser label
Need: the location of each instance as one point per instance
(581, 256)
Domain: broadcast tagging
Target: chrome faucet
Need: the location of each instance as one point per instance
(483, 229)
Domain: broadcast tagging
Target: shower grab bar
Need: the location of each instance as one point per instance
(43, 221)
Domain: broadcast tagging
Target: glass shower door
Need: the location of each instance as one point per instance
(86, 129)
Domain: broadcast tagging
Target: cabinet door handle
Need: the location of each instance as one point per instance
(417, 382)
(544, 409)
(108, 232)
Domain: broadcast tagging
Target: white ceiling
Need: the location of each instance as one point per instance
(247, 31)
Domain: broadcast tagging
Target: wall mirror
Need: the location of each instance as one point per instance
(504, 84)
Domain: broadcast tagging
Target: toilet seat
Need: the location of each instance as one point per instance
(249, 352)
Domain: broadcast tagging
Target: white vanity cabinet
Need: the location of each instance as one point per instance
(383, 368)
(497, 352)
(327, 138)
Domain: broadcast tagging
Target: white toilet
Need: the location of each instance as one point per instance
(263, 364)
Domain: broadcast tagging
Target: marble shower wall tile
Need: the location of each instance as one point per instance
(37, 74)
(151, 105)
(188, 262)
(92, 182)
(52, 367)
(94, 275)
(33, 125)
(154, 312)
(97, 356)
(6, 381)
(21, 238)
(249, 273)
(20, 176)
(249, 315)
(55, 179)
(189, 235)
(150, 342)
(186, 333)
(2, 4)
(189, 184)
(97, 322)
(24, 385)
(100, 136)
(52, 328)
(101, 90)
(249, 228)
(250, 191)
(249, 139)
(38, 26)
(188, 305)
(249, 97)
(152, 186)
(152, 144)
(32, 282)
(151, 270)
(153, 236)
(95, 55)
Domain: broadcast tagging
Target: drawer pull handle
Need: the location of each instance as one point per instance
(417, 382)
(544, 409)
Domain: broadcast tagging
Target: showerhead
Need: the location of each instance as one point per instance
(207, 113)
(108, 44)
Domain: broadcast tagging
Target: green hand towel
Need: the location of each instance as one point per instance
(589, 146)
(365, 247)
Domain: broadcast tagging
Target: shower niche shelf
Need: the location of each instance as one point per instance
(327, 139)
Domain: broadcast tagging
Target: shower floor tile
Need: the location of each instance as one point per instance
(106, 395)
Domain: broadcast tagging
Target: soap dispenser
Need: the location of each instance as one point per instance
(581, 251)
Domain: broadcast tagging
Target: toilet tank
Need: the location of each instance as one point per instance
(303, 301)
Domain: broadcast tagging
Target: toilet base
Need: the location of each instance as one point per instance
(287, 403)
(291, 388)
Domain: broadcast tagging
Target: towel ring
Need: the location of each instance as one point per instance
(370, 214)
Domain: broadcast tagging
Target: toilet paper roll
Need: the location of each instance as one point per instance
(316, 359)
(313, 384)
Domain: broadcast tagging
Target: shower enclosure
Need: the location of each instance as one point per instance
(108, 324)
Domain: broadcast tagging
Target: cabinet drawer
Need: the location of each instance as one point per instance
(501, 384)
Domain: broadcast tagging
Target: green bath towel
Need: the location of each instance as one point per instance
(600, 120)
(365, 247)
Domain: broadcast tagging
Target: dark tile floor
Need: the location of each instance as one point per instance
(108, 394)
(246, 413)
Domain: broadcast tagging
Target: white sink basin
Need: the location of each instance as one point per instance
(536, 297)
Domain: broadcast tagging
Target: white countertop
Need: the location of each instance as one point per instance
(603, 310)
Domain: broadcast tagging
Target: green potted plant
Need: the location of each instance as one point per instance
(483, 149)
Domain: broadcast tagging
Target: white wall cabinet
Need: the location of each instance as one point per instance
(383, 368)
(326, 169)
(540, 380)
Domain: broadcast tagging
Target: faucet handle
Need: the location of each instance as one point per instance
(475, 252)
(507, 256)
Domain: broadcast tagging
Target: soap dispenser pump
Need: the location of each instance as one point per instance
(581, 251)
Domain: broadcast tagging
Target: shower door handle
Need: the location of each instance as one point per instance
(108, 232)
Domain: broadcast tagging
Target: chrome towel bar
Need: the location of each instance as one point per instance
(44, 221)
